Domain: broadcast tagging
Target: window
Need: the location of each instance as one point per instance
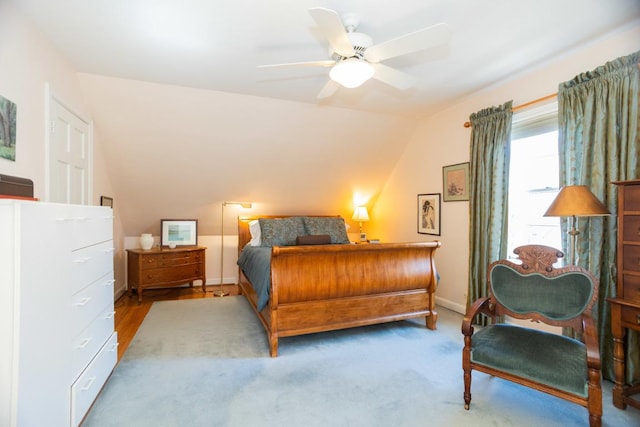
(533, 178)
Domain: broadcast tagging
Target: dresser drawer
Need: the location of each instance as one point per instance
(631, 288)
(87, 343)
(631, 228)
(632, 198)
(631, 315)
(89, 264)
(90, 301)
(91, 225)
(631, 258)
(85, 390)
(186, 273)
(170, 259)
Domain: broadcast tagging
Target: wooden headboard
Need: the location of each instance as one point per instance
(244, 235)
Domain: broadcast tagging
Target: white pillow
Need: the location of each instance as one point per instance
(254, 229)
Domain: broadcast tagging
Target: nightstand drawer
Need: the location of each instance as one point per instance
(186, 273)
(631, 258)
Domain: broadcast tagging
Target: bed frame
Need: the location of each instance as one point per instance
(328, 287)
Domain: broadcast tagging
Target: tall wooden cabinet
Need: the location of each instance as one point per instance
(56, 311)
(625, 307)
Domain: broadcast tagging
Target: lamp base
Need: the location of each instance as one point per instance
(220, 293)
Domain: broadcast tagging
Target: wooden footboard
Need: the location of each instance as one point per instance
(329, 287)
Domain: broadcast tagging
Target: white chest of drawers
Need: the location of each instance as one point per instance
(56, 311)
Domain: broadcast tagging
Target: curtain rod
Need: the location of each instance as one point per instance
(525, 105)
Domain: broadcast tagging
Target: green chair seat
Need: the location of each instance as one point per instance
(540, 356)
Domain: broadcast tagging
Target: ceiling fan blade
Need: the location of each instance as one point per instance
(422, 39)
(329, 89)
(392, 77)
(333, 29)
(327, 63)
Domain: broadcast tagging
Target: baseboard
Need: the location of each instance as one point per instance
(118, 293)
(458, 308)
(225, 280)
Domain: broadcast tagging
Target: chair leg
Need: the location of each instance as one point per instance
(594, 403)
(466, 367)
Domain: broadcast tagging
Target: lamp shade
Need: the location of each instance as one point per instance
(576, 200)
(246, 205)
(360, 214)
(351, 72)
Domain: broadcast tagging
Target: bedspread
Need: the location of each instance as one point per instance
(255, 262)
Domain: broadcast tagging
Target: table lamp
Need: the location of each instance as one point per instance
(361, 215)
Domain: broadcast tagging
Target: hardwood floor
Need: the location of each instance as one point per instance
(130, 314)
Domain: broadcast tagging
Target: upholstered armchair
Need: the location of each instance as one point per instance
(534, 290)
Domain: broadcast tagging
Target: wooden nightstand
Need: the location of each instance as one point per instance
(162, 267)
(625, 307)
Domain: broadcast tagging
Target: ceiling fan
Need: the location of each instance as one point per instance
(354, 57)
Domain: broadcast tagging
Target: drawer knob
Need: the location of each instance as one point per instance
(84, 343)
(83, 301)
(638, 319)
(88, 384)
(149, 276)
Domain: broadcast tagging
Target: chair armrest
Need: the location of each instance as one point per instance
(590, 336)
(481, 305)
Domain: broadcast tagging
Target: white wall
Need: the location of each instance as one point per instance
(442, 140)
(29, 64)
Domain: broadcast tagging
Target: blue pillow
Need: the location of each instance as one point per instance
(333, 226)
(281, 231)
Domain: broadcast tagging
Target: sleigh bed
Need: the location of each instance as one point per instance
(312, 287)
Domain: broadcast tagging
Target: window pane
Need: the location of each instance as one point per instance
(533, 184)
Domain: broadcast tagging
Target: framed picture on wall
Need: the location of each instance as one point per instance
(429, 214)
(106, 201)
(455, 181)
(179, 232)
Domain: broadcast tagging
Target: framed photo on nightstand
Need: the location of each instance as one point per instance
(179, 232)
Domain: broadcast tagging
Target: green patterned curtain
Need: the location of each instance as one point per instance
(598, 143)
(488, 195)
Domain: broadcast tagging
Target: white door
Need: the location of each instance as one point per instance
(70, 154)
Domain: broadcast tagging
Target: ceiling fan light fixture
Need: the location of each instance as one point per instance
(351, 72)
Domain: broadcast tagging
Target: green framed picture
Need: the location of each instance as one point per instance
(455, 181)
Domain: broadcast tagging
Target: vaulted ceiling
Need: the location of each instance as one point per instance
(185, 120)
(218, 45)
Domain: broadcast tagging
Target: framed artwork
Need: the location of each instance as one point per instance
(455, 181)
(179, 232)
(8, 117)
(106, 201)
(429, 214)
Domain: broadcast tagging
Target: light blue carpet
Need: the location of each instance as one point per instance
(205, 362)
